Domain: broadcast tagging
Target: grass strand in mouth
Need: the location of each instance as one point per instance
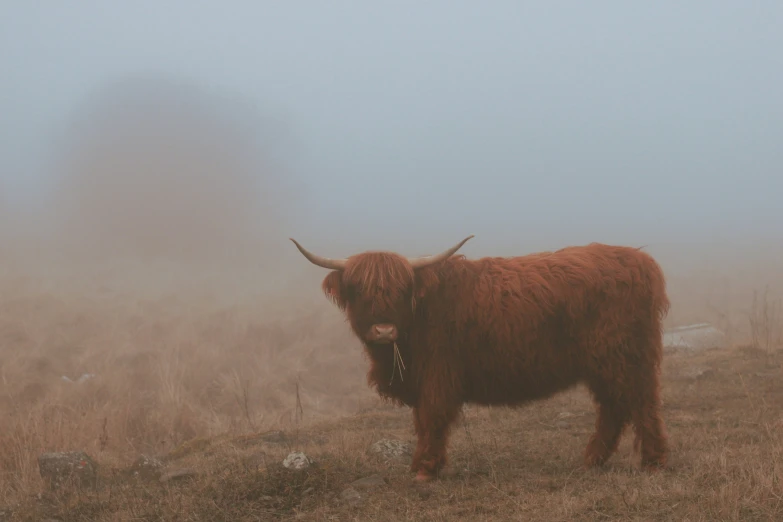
(397, 358)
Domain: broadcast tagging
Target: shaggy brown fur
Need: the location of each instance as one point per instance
(506, 331)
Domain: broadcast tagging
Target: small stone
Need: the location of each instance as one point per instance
(392, 449)
(58, 467)
(368, 483)
(178, 475)
(561, 425)
(298, 461)
(351, 496)
(147, 467)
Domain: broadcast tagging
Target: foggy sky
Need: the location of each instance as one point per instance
(544, 123)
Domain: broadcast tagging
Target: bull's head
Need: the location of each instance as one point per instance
(378, 290)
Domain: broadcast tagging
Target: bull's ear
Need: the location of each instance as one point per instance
(426, 282)
(332, 287)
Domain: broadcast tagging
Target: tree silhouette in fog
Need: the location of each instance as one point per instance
(163, 169)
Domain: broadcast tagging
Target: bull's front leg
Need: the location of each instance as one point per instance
(432, 423)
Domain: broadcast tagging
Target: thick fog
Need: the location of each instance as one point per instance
(529, 125)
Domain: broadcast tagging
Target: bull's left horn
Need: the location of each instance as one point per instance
(324, 262)
(421, 262)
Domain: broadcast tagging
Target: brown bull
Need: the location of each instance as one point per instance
(442, 331)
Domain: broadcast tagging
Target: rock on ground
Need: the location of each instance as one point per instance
(147, 467)
(392, 449)
(297, 460)
(59, 467)
(693, 338)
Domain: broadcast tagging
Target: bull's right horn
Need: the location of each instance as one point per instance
(421, 262)
(324, 262)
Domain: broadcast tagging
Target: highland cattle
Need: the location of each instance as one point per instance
(443, 331)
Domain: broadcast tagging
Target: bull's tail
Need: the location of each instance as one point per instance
(656, 281)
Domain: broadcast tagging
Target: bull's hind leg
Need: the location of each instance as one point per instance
(644, 398)
(613, 416)
(648, 423)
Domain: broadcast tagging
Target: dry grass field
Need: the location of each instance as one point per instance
(228, 386)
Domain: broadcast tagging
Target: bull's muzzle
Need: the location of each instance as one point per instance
(382, 333)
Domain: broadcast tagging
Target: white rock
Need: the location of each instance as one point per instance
(297, 460)
(694, 338)
(390, 448)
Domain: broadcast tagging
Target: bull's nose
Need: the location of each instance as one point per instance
(384, 332)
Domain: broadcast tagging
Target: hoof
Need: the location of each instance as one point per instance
(594, 462)
(654, 467)
(423, 476)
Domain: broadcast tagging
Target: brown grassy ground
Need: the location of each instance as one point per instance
(724, 417)
(197, 376)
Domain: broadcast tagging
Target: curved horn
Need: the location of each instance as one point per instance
(421, 262)
(324, 262)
